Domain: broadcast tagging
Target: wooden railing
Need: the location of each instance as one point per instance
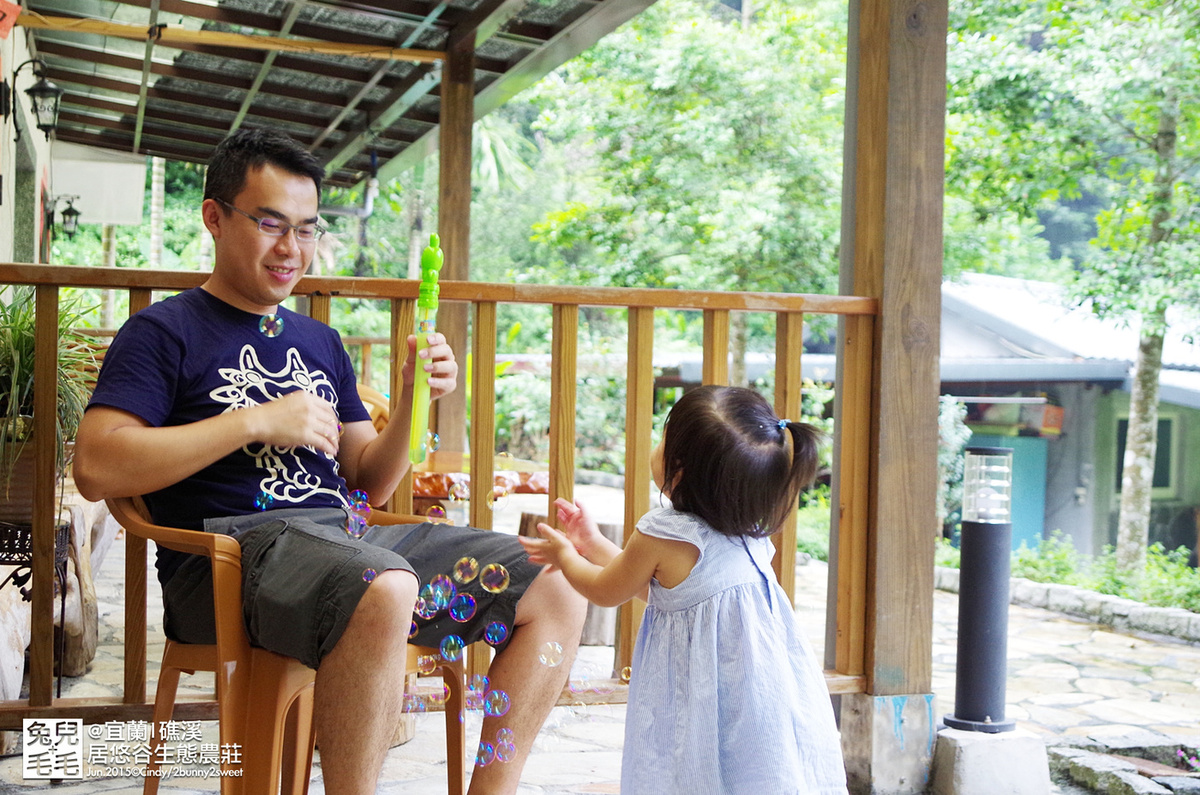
(850, 476)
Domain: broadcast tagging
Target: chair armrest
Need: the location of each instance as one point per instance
(131, 513)
(385, 517)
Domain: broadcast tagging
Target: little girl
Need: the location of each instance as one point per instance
(726, 696)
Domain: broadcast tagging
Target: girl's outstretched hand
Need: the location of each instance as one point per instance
(550, 549)
(583, 532)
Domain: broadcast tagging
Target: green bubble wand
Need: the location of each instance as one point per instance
(426, 324)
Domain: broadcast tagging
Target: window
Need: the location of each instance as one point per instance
(1163, 485)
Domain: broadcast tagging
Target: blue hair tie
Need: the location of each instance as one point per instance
(783, 424)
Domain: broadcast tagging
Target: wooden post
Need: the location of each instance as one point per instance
(404, 315)
(639, 408)
(789, 344)
(135, 580)
(562, 405)
(454, 218)
(892, 250)
(715, 369)
(45, 402)
(483, 414)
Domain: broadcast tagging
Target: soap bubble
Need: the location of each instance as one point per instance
(263, 501)
(427, 664)
(436, 513)
(360, 502)
(466, 570)
(494, 578)
(551, 654)
(443, 590)
(425, 608)
(270, 325)
(356, 525)
(495, 633)
(368, 575)
(485, 755)
(496, 703)
(626, 674)
(432, 442)
(462, 607)
(505, 752)
(452, 647)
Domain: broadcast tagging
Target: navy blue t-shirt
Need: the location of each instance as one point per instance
(193, 356)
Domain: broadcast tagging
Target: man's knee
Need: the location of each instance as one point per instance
(392, 594)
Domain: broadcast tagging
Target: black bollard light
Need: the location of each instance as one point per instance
(986, 547)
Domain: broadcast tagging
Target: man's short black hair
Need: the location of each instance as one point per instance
(255, 147)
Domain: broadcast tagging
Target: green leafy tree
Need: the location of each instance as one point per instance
(1052, 99)
(707, 149)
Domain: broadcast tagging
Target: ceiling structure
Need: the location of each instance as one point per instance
(358, 83)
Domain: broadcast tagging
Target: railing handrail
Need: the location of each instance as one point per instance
(852, 470)
(387, 288)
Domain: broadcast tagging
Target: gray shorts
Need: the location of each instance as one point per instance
(302, 577)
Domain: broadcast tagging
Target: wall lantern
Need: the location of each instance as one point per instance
(44, 98)
(70, 216)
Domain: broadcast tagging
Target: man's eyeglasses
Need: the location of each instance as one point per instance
(305, 233)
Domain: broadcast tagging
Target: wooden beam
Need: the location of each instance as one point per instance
(147, 60)
(892, 250)
(216, 38)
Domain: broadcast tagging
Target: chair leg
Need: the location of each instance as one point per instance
(164, 707)
(456, 729)
(280, 688)
(299, 738)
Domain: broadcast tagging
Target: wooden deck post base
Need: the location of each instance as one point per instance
(888, 743)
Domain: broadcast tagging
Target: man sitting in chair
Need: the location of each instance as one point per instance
(233, 414)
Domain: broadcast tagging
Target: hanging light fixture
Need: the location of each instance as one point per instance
(70, 219)
(44, 98)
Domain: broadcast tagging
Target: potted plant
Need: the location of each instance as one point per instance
(75, 362)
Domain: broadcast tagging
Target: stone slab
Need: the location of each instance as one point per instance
(1009, 763)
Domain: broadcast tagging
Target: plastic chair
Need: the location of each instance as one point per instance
(264, 700)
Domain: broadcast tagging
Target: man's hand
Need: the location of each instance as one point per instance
(298, 419)
(437, 360)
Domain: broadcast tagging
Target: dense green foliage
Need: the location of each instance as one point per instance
(1166, 581)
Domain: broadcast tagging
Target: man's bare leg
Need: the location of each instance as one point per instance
(360, 686)
(551, 610)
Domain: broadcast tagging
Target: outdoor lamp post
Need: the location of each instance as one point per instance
(986, 544)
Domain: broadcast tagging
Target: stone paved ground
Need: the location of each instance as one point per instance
(1068, 680)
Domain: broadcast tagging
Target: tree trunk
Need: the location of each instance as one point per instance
(1141, 444)
(158, 180)
(1141, 441)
